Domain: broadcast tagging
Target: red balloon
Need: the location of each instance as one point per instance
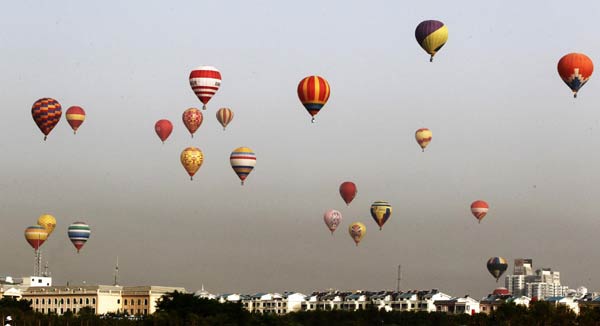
(163, 129)
(348, 191)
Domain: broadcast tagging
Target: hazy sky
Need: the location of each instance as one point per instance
(505, 129)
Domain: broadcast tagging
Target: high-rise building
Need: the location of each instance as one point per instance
(515, 284)
(523, 266)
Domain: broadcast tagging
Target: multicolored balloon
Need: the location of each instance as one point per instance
(163, 129)
(357, 231)
(575, 69)
(431, 35)
(242, 161)
(48, 222)
(191, 159)
(36, 235)
(75, 117)
(79, 233)
(381, 212)
(423, 137)
(497, 266)
(192, 119)
(313, 92)
(348, 191)
(332, 219)
(46, 113)
(224, 116)
(205, 82)
(479, 209)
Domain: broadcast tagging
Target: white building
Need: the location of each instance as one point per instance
(463, 305)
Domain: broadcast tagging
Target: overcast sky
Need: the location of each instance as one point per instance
(505, 129)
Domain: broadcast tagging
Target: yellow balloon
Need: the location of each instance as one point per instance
(191, 159)
(357, 231)
(423, 137)
(48, 222)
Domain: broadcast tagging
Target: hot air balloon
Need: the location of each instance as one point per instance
(357, 231)
(575, 69)
(191, 159)
(205, 82)
(479, 208)
(75, 117)
(332, 219)
(313, 92)
(431, 35)
(46, 113)
(497, 266)
(192, 119)
(224, 116)
(36, 235)
(381, 212)
(348, 191)
(48, 222)
(242, 161)
(163, 129)
(423, 137)
(79, 233)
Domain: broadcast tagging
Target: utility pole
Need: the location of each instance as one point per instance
(399, 278)
(116, 282)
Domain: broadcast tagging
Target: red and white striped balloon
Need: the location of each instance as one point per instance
(479, 209)
(205, 82)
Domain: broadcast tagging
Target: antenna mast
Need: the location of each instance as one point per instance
(399, 278)
(116, 282)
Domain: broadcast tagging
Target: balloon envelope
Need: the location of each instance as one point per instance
(163, 129)
(46, 113)
(348, 191)
(192, 119)
(479, 209)
(48, 222)
(224, 116)
(35, 236)
(423, 137)
(75, 116)
(191, 159)
(205, 82)
(497, 266)
(357, 231)
(79, 233)
(313, 92)
(431, 35)
(381, 212)
(242, 161)
(332, 219)
(575, 69)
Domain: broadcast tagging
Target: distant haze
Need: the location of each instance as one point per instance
(505, 129)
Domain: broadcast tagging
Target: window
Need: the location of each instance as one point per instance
(146, 302)
(55, 301)
(139, 302)
(68, 301)
(125, 302)
(43, 301)
(37, 301)
(62, 301)
(61, 311)
(80, 300)
(118, 301)
(40, 280)
(145, 311)
(87, 300)
(93, 300)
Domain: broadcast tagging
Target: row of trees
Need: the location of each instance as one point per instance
(186, 309)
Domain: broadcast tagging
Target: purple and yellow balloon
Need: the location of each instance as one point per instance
(431, 35)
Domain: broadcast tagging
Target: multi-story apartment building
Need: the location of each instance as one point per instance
(101, 299)
(543, 284)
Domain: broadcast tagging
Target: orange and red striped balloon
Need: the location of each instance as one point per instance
(313, 92)
(75, 117)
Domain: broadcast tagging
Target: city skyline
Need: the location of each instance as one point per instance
(505, 130)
